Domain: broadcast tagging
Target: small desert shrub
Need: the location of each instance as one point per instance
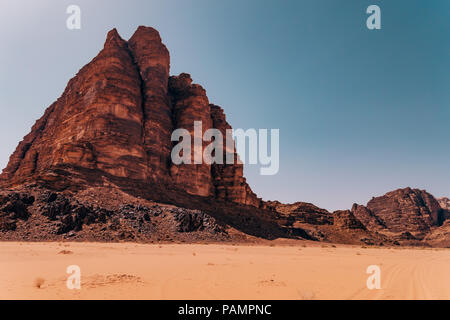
(39, 282)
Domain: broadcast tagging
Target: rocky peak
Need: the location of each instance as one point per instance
(113, 39)
(406, 209)
(145, 33)
(180, 84)
(113, 125)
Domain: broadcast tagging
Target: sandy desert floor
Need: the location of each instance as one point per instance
(181, 271)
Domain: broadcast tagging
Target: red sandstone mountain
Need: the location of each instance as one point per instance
(97, 166)
(115, 120)
(411, 211)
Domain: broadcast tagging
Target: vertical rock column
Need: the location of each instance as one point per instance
(153, 61)
(229, 181)
(190, 104)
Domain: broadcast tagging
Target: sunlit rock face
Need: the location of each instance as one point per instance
(406, 209)
(115, 120)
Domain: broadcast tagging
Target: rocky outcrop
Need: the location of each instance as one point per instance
(302, 212)
(368, 218)
(14, 207)
(406, 209)
(344, 219)
(194, 220)
(43, 215)
(113, 125)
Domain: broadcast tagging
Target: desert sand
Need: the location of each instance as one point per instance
(219, 271)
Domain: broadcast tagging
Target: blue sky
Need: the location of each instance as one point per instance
(360, 112)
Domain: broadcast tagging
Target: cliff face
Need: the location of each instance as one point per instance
(115, 120)
(406, 210)
(402, 210)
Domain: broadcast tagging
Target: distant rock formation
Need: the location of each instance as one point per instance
(302, 212)
(406, 209)
(403, 210)
(403, 215)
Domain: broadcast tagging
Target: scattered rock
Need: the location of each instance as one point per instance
(194, 220)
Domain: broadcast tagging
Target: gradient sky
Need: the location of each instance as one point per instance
(360, 112)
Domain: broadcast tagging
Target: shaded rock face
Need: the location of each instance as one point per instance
(70, 215)
(14, 207)
(228, 179)
(345, 219)
(115, 119)
(194, 220)
(191, 104)
(407, 209)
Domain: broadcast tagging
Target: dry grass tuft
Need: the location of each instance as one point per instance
(65, 252)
